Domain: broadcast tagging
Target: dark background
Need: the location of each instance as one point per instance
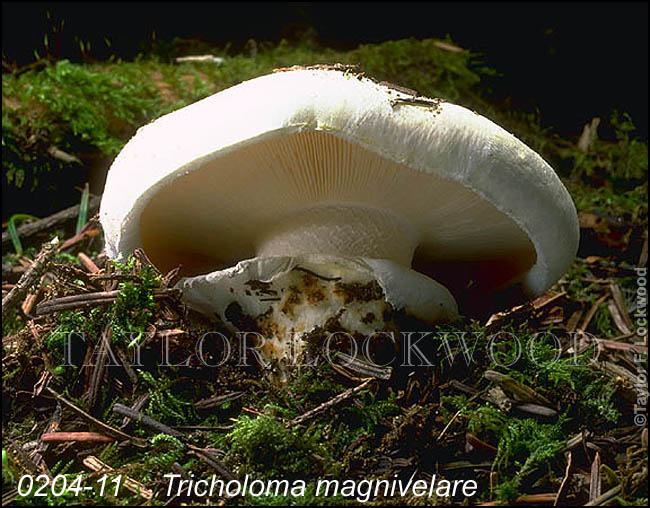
(572, 61)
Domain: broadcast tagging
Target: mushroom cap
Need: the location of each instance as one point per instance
(204, 185)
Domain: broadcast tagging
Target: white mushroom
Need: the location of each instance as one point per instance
(305, 196)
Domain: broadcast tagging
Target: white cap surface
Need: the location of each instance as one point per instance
(245, 171)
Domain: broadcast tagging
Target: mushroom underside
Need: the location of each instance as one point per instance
(315, 192)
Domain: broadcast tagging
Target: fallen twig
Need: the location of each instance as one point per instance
(548, 497)
(619, 320)
(97, 374)
(59, 154)
(50, 367)
(363, 368)
(137, 406)
(536, 410)
(32, 228)
(146, 420)
(329, 404)
(96, 465)
(126, 365)
(91, 300)
(565, 481)
(594, 480)
(77, 436)
(592, 312)
(520, 391)
(87, 231)
(619, 300)
(88, 263)
(479, 444)
(453, 418)
(106, 428)
(623, 346)
(31, 275)
(201, 59)
(603, 498)
(217, 401)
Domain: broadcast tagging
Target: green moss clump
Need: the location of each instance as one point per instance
(265, 447)
(367, 416)
(133, 309)
(599, 400)
(526, 443)
(166, 406)
(73, 325)
(167, 450)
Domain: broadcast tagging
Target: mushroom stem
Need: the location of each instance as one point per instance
(343, 230)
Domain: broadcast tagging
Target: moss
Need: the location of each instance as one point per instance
(265, 447)
(367, 416)
(166, 450)
(569, 381)
(487, 418)
(507, 490)
(133, 309)
(527, 447)
(168, 400)
(526, 444)
(72, 326)
(313, 386)
(599, 400)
